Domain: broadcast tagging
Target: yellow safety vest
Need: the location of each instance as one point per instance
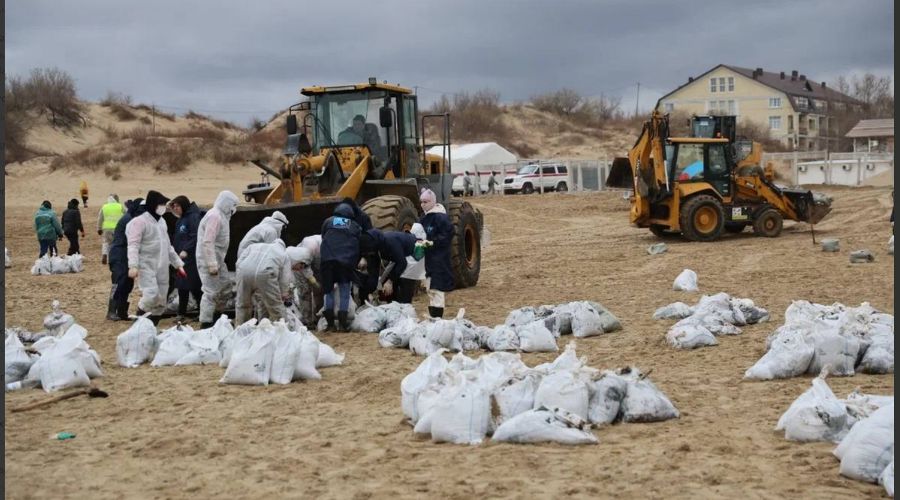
(112, 212)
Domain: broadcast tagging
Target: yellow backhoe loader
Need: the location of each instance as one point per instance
(365, 142)
(703, 185)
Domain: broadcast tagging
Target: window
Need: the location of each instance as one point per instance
(731, 84)
(812, 124)
(712, 84)
(711, 107)
(689, 163)
(562, 169)
(669, 107)
(731, 108)
(775, 122)
(548, 170)
(722, 84)
(722, 107)
(717, 164)
(802, 103)
(774, 102)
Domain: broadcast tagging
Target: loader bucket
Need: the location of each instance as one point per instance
(811, 207)
(620, 174)
(304, 219)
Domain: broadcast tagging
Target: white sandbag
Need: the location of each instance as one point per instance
(514, 397)
(287, 347)
(466, 332)
(461, 415)
(76, 263)
(426, 373)
(686, 281)
(17, 362)
(204, 349)
(535, 337)
(890, 247)
(879, 355)
(831, 245)
(9, 256)
(568, 360)
(675, 310)
(399, 334)
(502, 338)
(137, 344)
(861, 256)
(90, 361)
(173, 345)
(60, 366)
(871, 448)
(788, 356)
(589, 318)
(752, 314)
(369, 319)
(887, 476)
(521, 316)
(59, 265)
(606, 395)
(816, 415)
(838, 352)
(57, 322)
(42, 267)
(643, 402)
(545, 425)
(420, 343)
(307, 360)
(251, 358)
(657, 248)
(562, 389)
(226, 343)
(328, 357)
(689, 335)
(222, 327)
(444, 333)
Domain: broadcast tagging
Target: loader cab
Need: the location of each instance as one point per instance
(378, 117)
(700, 160)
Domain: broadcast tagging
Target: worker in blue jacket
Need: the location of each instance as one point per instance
(339, 255)
(393, 247)
(438, 272)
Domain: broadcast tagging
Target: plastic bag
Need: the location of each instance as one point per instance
(16, 360)
(57, 322)
(817, 415)
(562, 389)
(173, 345)
(675, 310)
(137, 344)
(545, 425)
(9, 256)
(461, 415)
(204, 349)
(514, 397)
(287, 348)
(369, 319)
(535, 337)
(890, 247)
(76, 263)
(686, 282)
(887, 476)
(310, 350)
(59, 265)
(869, 447)
(838, 352)
(426, 373)
(502, 338)
(689, 335)
(61, 366)
(327, 357)
(788, 356)
(879, 356)
(643, 402)
(399, 334)
(42, 267)
(606, 395)
(251, 358)
(226, 343)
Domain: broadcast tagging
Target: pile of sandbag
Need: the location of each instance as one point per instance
(172, 304)
(65, 264)
(252, 354)
(452, 401)
(9, 257)
(55, 325)
(847, 339)
(712, 315)
(528, 329)
(373, 319)
(862, 424)
(60, 363)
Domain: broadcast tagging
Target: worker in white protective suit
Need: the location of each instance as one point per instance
(150, 254)
(212, 243)
(266, 269)
(308, 292)
(266, 231)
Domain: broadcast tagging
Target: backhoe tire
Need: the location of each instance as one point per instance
(465, 248)
(702, 218)
(768, 223)
(735, 227)
(391, 212)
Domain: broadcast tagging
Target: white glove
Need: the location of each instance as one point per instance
(213, 270)
(388, 288)
(183, 255)
(132, 272)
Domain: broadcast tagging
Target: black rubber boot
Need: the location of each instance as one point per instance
(436, 312)
(344, 322)
(329, 317)
(122, 310)
(111, 306)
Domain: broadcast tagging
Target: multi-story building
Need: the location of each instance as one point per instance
(797, 111)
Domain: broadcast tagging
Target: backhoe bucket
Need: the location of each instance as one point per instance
(620, 174)
(811, 207)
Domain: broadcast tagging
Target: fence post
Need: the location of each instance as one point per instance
(541, 176)
(579, 186)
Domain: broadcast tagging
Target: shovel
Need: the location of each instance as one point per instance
(89, 391)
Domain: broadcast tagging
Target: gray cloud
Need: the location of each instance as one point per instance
(238, 59)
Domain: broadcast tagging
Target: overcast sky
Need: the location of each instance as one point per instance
(237, 59)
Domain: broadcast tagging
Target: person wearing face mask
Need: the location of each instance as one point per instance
(266, 231)
(266, 270)
(438, 272)
(184, 240)
(118, 264)
(150, 254)
(213, 235)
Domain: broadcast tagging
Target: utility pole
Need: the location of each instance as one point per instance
(637, 100)
(153, 119)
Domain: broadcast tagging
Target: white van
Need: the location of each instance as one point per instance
(529, 178)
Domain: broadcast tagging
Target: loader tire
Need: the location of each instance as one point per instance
(768, 223)
(465, 248)
(391, 213)
(702, 218)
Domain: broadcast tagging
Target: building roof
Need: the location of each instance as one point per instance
(791, 83)
(873, 128)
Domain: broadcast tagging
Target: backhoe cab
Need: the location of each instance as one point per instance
(362, 142)
(703, 185)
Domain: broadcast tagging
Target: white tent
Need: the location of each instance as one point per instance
(481, 157)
